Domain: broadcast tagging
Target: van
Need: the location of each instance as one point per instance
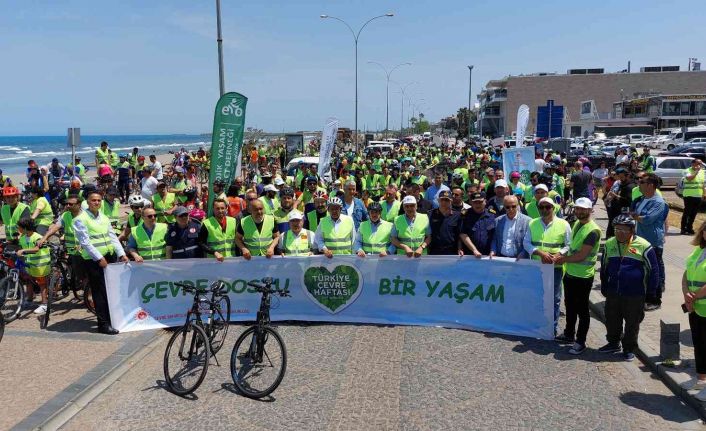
(678, 137)
(382, 146)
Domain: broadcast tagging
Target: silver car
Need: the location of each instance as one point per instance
(671, 169)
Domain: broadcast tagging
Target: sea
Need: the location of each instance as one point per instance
(16, 151)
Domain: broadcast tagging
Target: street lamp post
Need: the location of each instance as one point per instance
(470, 77)
(387, 91)
(403, 90)
(355, 39)
(221, 78)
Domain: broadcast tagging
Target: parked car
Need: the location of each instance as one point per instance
(595, 157)
(697, 151)
(671, 169)
(610, 150)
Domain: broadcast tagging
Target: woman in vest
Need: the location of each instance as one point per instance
(297, 241)
(12, 212)
(693, 286)
(41, 211)
(147, 240)
(38, 261)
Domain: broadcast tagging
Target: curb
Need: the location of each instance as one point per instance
(92, 391)
(646, 351)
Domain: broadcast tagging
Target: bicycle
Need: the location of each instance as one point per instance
(57, 286)
(197, 341)
(250, 360)
(12, 288)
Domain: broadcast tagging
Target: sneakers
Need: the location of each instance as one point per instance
(610, 348)
(42, 309)
(694, 385)
(577, 349)
(629, 356)
(652, 307)
(564, 339)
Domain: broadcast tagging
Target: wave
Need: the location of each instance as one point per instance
(16, 153)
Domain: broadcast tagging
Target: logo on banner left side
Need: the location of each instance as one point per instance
(333, 288)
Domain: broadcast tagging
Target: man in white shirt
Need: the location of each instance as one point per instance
(149, 185)
(156, 168)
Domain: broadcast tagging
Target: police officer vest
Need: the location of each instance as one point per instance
(392, 213)
(695, 187)
(153, 248)
(163, 204)
(72, 247)
(411, 236)
(696, 278)
(113, 213)
(98, 229)
(297, 245)
(46, 215)
(550, 240)
(39, 263)
(587, 267)
(257, 242)
(218, 240)
(10, 218)
(375, 243)
(341, 241)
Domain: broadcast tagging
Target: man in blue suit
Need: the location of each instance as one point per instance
(510, 229)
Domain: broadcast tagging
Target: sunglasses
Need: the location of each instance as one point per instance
(509, 207)
(149, 216)
(545, 207)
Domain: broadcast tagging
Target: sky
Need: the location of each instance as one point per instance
(151, 67)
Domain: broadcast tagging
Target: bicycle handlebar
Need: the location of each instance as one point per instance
(216, 286)
(267, 287)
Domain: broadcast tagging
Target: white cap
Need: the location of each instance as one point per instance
(409, 200)
(270, 188)
(337, 182)
(295, 215)
(541, 187)
(279, 181)
(583, 203)
(545, 199)
(501, 183)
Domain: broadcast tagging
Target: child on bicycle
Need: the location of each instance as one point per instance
(37, 260)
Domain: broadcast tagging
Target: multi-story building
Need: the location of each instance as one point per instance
(588, 97)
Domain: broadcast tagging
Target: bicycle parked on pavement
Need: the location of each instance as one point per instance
(259, 358)
(190, 348)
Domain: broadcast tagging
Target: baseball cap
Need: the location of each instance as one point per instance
(180, 210)
(541, 187)
(409, 200)
(295, 215)
(311, 179)
(501, 183)
(621, 171)
(270, 188)
(279, 181)
(545, 200)
(478, 196)
(583, 203)
(444, 194)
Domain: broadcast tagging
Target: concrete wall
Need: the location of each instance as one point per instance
(571, 90)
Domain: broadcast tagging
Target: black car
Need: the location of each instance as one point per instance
(695, 151)
(595, 157)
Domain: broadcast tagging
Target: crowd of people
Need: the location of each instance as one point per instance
(419, 199)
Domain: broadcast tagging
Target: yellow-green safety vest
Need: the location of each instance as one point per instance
(113, 213)
(340, 241)
(533, 210)
(313, 220)
(46, 215)
(695, 187)
(10, 218)
(72, 246)
(696, 278)
(220, 241)
(411, 236)
(635, 251)
(392, 213)
(587, 267)
(550, 240)
(297, 245)
(39, 263)
(98, 232)
(181, 186)
(102, 155)
(257, 242)
(154, 248)
(163, 204)
(270, 205)
(131, 223)
(375, 243)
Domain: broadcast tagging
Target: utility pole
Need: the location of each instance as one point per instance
(222, 81)
(470, 77)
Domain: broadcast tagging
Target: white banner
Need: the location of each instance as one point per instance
(519, 159)
(522, 120)
(498, 295)
(328, 141)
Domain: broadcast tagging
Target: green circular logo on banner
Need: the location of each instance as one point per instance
(332, 288)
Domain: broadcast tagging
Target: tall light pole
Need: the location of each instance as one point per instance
(222, 81)
(470, 77)
(387, 91)
(356, 36)
(403, 90)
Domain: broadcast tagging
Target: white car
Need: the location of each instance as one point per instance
(671, 169)
(292, 165)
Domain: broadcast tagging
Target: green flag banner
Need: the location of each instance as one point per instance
(227, 140)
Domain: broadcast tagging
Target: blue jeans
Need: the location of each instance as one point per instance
(558, 276)
(660, 261)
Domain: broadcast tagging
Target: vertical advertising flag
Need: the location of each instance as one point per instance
(522, 120)
(519, 159)
(328, 140)
(227, 140)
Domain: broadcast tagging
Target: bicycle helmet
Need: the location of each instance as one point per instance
(456, 176)
(10, 191)
(375, 206)
(287, 191)
(624, 220)
(334, 200)
(136, 201)
(320, 194)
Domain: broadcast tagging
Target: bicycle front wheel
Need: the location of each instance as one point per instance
(219, 325)
(186, 359)
(88, 299)
(52, 288)
(258, 362)
(14, 295)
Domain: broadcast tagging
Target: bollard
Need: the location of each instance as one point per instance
(669, 340)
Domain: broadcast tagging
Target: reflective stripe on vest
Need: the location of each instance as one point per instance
(550, 240)
(695, 187)
(39, 263)
(587, 267)
(257, 242)
(218, 240)
(154, 248)
(98, 229)
(696, 278)
(375, 243)
(10, 218)
(411, 236)
(340, 241)
(297, 245)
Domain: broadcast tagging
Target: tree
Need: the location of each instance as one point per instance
(462, 122)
